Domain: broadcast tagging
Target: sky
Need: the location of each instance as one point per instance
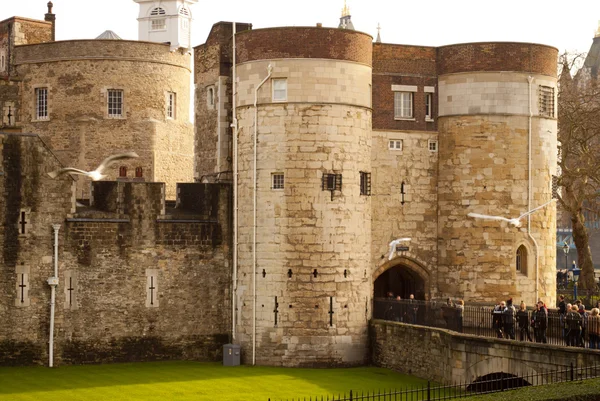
(566, 25)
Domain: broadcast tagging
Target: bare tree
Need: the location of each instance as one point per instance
(579, 157)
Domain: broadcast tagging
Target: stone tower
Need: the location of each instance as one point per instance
(166, 21)
(308, 265)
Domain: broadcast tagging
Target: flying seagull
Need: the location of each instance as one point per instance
(393, 245)
(98, 173)
(514, 221)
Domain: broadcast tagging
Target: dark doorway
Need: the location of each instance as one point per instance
(399, 280)
(496, 382)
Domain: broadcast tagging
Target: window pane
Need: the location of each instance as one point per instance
(279, 89)
(41, 106)
(115, 103)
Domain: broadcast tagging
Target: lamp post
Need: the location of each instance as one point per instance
(576, 272)
(566, 251)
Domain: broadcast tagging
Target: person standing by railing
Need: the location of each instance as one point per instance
(594, 329)
(508, 319)
(460, 311)
(562, 311)
(584, 320)
(523, 321)
(574, 323)
(541, 322)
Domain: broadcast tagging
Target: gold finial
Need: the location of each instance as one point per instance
(345, 10)
(597, 35)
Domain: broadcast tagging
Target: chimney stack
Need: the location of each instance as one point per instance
(51, 18)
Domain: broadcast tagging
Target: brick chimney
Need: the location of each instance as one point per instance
(50, 17)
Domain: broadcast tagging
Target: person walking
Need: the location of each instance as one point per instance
(497, 318)
(541, 322)
(508, 320)
(593, 329)
(584, 320)
(523, 322)
(562, 311)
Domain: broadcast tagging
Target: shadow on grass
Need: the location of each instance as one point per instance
(241, 378)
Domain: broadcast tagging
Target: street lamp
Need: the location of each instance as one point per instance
(576, 272)
(566, 251)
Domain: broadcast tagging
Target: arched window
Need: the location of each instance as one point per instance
(139, 173)
(122, 171)
(210, 97)
(157, 11)
(521, 261)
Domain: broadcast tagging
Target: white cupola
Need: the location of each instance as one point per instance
(166, 21)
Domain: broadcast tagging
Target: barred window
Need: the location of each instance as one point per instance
(365, 183)
(403, 104)
(115, 103)
(278, 180)
(159, 24)
(546, 101)
(41, 103)
(332, 182)
(171, 105)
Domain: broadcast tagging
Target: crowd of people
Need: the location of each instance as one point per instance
(577, 324)
(506, 320)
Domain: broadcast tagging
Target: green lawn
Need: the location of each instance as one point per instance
(196, 381)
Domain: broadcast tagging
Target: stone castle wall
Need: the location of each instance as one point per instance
(78, 128)
(312, 244)
(137, 280)
(484, 124)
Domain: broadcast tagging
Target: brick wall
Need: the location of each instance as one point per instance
(300, 42)
(497, 56)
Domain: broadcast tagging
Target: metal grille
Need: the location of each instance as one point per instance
(278, 181)
(171, 105)
(546, 101)
(365, 183)
(41, 103)
(115, 103)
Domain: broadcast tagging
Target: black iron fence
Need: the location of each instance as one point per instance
(492, 383)
(590, 298)
(479, 320)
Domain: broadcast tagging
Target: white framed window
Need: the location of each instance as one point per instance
(277, 180)
(171, 104)
(546, 101)
(403, 104)
(429, 107)
(279, 89)
(159, 24)
(395, 144)
(432, 145)
(41, 103)
(158, 11)
(115, 103)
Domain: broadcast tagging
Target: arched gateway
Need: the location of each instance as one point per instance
(402, 276)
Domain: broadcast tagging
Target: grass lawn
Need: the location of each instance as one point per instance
(586, 390)
(196, 381)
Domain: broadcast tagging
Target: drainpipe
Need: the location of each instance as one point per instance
(269, 70)
(530, 196)
(53, 283)
(235, 193)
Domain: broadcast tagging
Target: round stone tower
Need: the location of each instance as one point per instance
(311, 274)
(497, 136)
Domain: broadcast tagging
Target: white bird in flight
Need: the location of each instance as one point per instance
(514, 221)
(393, 245)
(97, 174)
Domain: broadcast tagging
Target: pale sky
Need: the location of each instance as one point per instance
(563, 24)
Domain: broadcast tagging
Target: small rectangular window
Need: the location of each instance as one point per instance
(433, 145)
(2, 62)
(171, 105)
(365, 183)
(395, 144)
(41, 103)
(428, 107)
(279, 90)
(403, 104)
(115, 103)
(159, 24)
(277, 180)
(546, 101)
(332, 182)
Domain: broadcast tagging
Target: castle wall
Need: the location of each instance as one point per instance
(78, 128)
(483, 140)
(32, 203)
(312, 245)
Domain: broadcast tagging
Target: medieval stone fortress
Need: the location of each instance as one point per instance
(267, 222)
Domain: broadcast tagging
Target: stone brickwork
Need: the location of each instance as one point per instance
(10, 96)
(18, 31)
(448, 357)
(108, 254)
(78, 75)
